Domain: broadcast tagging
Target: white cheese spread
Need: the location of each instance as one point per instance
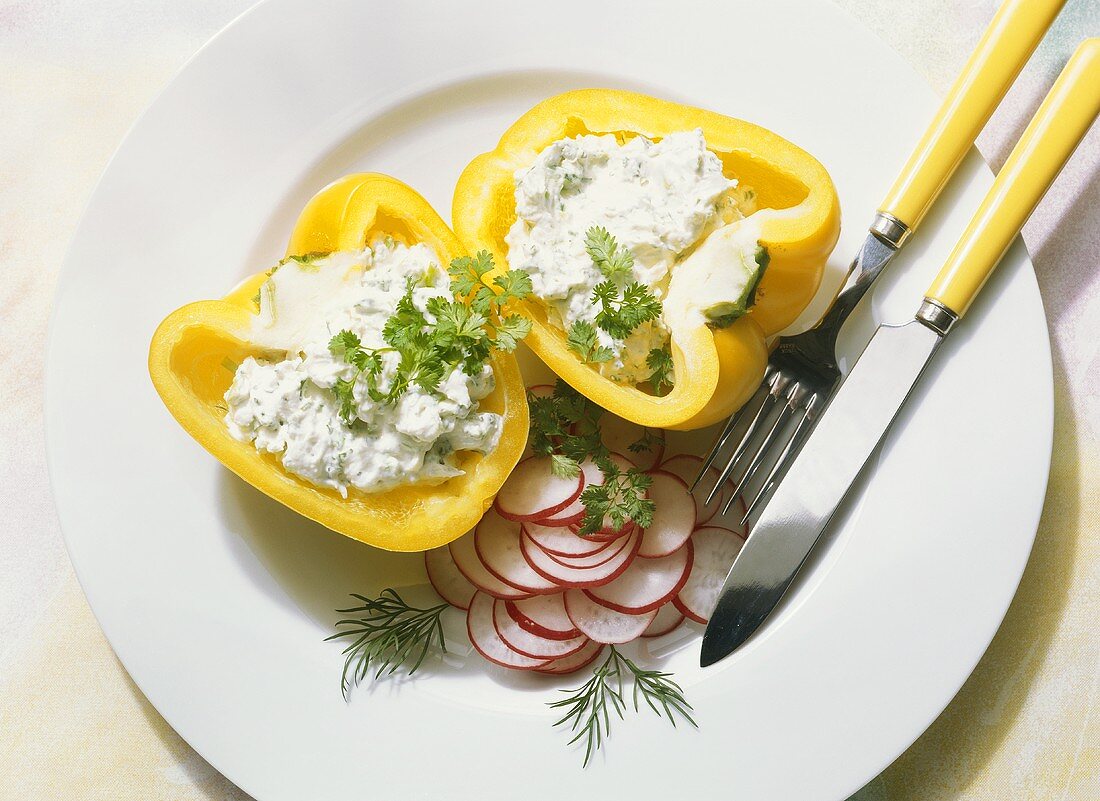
(287, 406)
(658, 199)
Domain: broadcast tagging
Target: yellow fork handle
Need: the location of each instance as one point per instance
(1002, 52)
(1056, 129)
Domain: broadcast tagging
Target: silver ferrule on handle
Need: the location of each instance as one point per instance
(936, 316)
(890, 229)
(874, 254)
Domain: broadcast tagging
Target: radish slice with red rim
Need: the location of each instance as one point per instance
(447, 579)
(524, 642)
(497, 543)
(686, 467)
(607, 534)
(543, 615)
(715, 550)
(602, 624)
(541, 390)
(484, 636)
(593, 560)
(574, 512)
(574, 662)
(565, 576)
(569, 516)
(646, 584)
(533, 491)
(673, 516)
(667, 619)
(562, 541)
(464, 552)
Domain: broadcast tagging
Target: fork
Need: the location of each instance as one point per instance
(803, 369)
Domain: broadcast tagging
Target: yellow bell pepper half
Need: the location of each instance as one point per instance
(715, 370)
(195, 349)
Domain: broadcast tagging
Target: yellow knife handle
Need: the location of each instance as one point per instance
(1058, 126)
(1002, 52)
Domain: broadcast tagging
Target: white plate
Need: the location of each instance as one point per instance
(217, 599)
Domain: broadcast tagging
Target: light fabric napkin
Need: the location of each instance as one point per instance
(74, 726)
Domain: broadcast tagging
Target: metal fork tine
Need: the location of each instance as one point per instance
(750, 433)
(731, 424)
(789, 450)
(720, 442)
(761, 453)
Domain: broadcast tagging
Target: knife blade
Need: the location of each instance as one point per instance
(837, 450)
(880, 382)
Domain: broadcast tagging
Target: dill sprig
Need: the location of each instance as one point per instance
(589, 707)
(389, 634)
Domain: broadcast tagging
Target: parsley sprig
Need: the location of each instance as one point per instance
(623, 304)
(659, 361)
(623, 310)
(463, 331)
(588, 708)
(584, 341)
(616, 263)
(620, 499)
(565, 426)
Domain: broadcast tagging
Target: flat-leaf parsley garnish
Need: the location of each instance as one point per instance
(659, 361)
(624, 304)
(583, 341)
(462, 333)
(565, 426)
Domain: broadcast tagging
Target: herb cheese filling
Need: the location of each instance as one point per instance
(378, 371)
(602, 226)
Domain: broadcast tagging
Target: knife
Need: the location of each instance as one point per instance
(867, 401)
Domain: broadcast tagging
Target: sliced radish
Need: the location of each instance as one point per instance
(715, 550)
(569, 516)
(533, 492)
(574, 662)
(565, 576)
(559, 541)
(464, 552)
(673, 516)
(619, 434)
(686, 467)
(447, 579)
(532, 645)
(574, 512)
(543, 615)
(596, 559)
(603, 624)
(608, 534)
(483, 635)
(668, 618)
(541, 390)
(732, 519)
(646, 583)
(608, 529)
(496, 541)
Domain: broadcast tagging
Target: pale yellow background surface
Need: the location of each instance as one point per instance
(74, 76)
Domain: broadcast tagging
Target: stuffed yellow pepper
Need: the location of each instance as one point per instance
(367, 381)
(664, 244)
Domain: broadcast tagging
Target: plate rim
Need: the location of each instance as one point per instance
(68, 267)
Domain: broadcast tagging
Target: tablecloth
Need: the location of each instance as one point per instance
(74, 76)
